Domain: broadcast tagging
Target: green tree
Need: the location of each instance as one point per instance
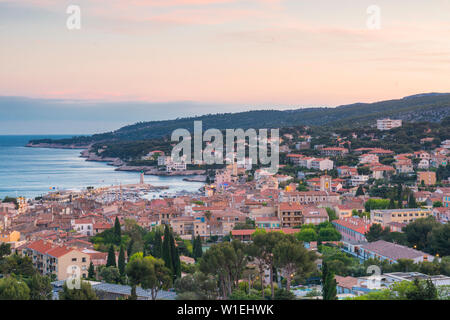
(13, 289)
(226, 261)
(5, 250)
(376, 232)
(306, 235)
(166, 253)
(197, 249)
(157, 245)
(111, 260)
(176, 263)
(290, 257)
(121, 261)
(197, 286)
(359, 191)
(149, 273)
(267, 242)
(85, 292)
(391, 204)
(329, 290)
(423, 290)
(91, 271)
(109, 274)
(40, 287)
(117, 232)
(412, 201)
(15, 264)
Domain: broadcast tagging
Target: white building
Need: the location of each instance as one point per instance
(388, 124)
(322, 164)
(358, 180)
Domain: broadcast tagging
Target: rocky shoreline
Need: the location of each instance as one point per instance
(198, 175)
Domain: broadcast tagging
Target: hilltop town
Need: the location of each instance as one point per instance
(342, 200)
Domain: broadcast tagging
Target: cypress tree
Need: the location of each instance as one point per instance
(130, 248)
(412, 201)
(391, 203)
(111, 261)
(117, 231)
(359, 191)
(197, 248)
(121, 262)
(166, 254)
(91, 271)
(329, 290)
(157, 245)
(176, 263)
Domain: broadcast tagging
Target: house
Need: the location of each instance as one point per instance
(295, 158)
(346, 171)
(314, 215)
(267, 222)
(381, 172)
(368, 158)
(334, 151)
(9, 236)
(85, 226)
(383, 250)
(388, 124)
(358, 180)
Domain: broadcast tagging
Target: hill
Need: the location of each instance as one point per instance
(431, 107)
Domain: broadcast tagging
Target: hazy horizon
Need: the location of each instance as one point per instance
(27, 116)
(163, 59)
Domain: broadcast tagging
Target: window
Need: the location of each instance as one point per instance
(74, 259)
(83, 259)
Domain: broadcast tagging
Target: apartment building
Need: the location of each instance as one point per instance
(352, 228)
(310, 197)
(428, 177)
(290, 214)
(9, 236)
(384, 217)
(334, 151)
(322, 164)
(59, 260)
(388, 124)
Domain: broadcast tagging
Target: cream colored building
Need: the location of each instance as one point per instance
(59, 260)
(384, 217)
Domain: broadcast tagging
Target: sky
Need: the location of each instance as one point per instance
(136, 60)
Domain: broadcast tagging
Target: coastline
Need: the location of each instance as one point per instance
(195, 175)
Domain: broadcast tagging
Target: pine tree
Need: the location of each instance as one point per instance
(166, 254)
(91, 271)
(121, 262)
(111, 261)
(117, 231)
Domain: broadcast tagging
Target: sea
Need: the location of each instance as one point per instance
(33, 172)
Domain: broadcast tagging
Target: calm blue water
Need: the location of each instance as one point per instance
(31, 172)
